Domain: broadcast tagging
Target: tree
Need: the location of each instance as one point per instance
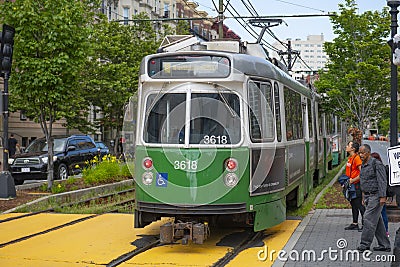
(50, 52)
(182, 27)
(356, 85)
(112, 74)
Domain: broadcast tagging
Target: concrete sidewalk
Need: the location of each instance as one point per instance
(324, 230)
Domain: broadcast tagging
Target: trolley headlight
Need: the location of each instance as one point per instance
(231, 179)
(147, 178)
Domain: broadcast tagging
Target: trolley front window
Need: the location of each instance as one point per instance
(214, 119)
(165, 119)
(189, 66)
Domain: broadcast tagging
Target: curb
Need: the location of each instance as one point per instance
(29, 186)
(75, 195)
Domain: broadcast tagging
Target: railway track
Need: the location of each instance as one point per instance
(127, 256)
(247, 242)
(103, 198)
(97, 200)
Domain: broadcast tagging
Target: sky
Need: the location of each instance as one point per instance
(293, 27)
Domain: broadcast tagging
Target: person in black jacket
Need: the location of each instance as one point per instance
(12, 145)
(373, 185)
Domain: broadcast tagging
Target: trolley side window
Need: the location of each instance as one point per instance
(310, 120)
(215, 119)
(165, 119)
(277, 113)
(261, 114)
(320, 122)
(294, 115)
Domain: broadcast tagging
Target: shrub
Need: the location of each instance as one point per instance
(58, 188)
(109, 169)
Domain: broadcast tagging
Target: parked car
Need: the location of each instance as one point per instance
(103, 148)
(70, 155)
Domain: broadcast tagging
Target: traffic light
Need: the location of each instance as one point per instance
(6, 50)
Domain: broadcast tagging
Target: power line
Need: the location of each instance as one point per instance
(305, 63)
(299, 5)
(253, 12)
(212, 9)
(250, 8)
(254, 34)
(226, 17)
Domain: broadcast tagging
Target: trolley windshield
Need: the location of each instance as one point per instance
(214, 119)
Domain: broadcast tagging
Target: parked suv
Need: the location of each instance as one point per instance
(69, 151)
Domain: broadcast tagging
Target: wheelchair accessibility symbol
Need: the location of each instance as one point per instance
(162, 179)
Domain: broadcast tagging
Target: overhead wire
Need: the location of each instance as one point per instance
(251, 9)
(254, 33)
(249, 6)
(305, 63)
(212, 9)
(300, 5)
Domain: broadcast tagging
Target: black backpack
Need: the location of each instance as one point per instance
(389, 191)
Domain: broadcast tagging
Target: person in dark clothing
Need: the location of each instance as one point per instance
(373, 185)
(353, 168)
(384, 214)
(12, 145)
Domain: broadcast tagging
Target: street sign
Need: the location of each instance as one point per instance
(394, 165)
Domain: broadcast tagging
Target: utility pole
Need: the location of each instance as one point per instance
(289, 53)
(394, 4)
(221, 19)
(393, 73)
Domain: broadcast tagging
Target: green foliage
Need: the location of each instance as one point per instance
(58, 188)
(356, 84)
(51, 48)
(182, 27)
(114, 67)
(108, 170)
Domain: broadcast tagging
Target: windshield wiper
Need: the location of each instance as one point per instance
(155, 99)
(228, 107)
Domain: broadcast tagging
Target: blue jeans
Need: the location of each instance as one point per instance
(385, 218)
